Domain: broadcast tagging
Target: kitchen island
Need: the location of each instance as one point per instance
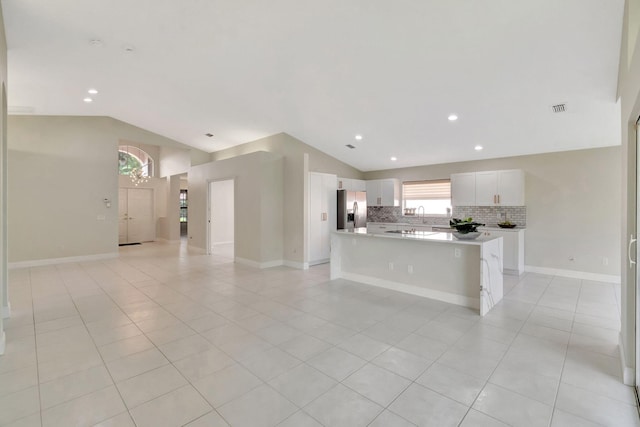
(428, 264)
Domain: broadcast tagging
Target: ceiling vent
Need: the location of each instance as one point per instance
(350, 146)
(559, 108)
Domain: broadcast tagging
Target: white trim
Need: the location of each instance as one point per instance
(5, 312)
(230, 242)
(51, 261)
(3, 342)
(256, 264)
(163, 240)
(628, 373)
(609, 278)
(318, 262)
(414, 290)
(296, 264)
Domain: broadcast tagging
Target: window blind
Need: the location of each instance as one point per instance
(426, 190)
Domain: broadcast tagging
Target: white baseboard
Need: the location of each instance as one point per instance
(573, 274)
(628, 373)
(3, 342)
(256, 264)
(5, 312)
(296, 264)
(51, 261)
(222, 243)
(318, 262)
(415, 290)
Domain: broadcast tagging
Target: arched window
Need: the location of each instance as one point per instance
(133, 158)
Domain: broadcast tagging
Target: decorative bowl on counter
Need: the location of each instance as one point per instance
(506, 224)
(463, 226)
(466, 236)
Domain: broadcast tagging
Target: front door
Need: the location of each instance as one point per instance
(135, 212)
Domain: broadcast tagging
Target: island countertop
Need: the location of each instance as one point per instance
(430, 236)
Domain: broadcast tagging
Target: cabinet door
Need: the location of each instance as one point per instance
(463, 189)
(358, 185)
(388, 193)
(486, 188)
(511, 187)
(373, 193)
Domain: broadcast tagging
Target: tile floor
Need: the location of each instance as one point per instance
(162, 337)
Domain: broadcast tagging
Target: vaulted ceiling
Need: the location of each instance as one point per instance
(326, 71)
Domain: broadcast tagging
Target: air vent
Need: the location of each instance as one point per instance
(210, 135)
(350, 146)
(559, 108)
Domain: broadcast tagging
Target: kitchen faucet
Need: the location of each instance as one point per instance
(422, 212)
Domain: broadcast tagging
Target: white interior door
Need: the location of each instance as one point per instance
(222, 217)
(136, 219)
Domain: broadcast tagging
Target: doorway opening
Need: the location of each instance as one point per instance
(221, 210)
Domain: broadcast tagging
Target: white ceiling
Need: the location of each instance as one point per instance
(324, 71)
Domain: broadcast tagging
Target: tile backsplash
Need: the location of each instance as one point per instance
(484, 214)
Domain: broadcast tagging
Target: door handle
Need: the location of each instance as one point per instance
(631, 242)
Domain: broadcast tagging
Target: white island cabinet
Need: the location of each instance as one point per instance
(427, 264)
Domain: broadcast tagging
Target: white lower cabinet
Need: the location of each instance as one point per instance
(512, 249)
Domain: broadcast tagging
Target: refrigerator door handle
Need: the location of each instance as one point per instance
(355, 214)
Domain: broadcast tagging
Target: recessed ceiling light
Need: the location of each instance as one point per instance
(93, 91)
(393, 159)
(478, 147)
(452, 117)
(87, 100)
(359, 137)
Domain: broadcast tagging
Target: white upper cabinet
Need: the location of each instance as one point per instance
(383, 192)
(351, 184)
(488, 188)
(463, 189)
(511, 187)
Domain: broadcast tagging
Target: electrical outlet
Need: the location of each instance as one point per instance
(605, 261)
(410, 269)
(457, 253)
(390, 266)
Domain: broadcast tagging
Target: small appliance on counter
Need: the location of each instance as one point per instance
(352, 209)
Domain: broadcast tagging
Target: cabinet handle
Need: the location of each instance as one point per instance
(631, 242)
(494, 199)
(379, 200)
(498, 199)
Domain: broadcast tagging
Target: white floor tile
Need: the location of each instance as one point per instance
(211, 419)
(424, 407)
(302, 384)
(85, 410)
(174, 409)
(149, 385)
(227, 384)
(377, 384)
(262, 406)
(402, 362)
(336, 363)
(389, 419)
(18, 405)
(342, 407)
(451, 383)
(512, 408)
(136, 364)
(66, 388)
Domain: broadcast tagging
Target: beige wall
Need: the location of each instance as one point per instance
(60, 170)
(258, 216)
(572, 200)
(293, 151)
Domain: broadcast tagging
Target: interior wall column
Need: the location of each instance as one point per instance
(173, 208)
(4, 275)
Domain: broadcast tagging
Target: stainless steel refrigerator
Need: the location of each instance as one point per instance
(352, 209)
